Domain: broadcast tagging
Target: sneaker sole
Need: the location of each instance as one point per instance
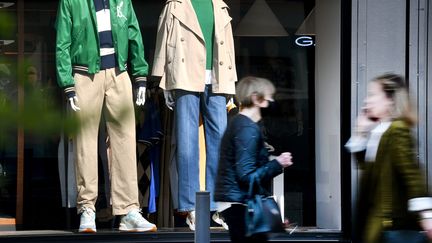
(153, 229)
(87, 230)
(220, 222)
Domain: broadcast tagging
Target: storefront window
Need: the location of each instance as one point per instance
(41, 173)
(283, 53)
(275, 40)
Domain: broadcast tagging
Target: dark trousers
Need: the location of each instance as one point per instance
(235, 218)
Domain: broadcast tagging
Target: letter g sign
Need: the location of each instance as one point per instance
(304, 41)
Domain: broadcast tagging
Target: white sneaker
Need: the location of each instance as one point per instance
(219, 220)
(134, 221)
(87, 221)
(190, 220)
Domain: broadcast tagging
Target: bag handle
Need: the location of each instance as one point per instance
(254, 181)
(251, 185)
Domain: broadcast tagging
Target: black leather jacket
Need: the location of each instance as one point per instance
(242, 156)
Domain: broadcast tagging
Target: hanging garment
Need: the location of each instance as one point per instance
(149, 134)
(66, 163)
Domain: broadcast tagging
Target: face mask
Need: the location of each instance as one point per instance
(271, 109)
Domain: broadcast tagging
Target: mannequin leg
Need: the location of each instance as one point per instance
(186, 121)
(213, 107)
(120, 117)
(90, 94)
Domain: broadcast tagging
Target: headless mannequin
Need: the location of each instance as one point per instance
(95, 72)
(196, 81)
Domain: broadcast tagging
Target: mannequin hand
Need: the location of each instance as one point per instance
(229, 100)
(169, 99)
(426, 225)
(72, 102)
(230, 104)
(141, 95)
(285, 159)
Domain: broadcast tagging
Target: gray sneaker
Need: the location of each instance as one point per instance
(87, 221)
(134, 221)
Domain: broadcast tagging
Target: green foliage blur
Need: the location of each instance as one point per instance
(7, 25)
(41, 113)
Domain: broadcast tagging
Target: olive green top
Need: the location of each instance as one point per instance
(388, 183)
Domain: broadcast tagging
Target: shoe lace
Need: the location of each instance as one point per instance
(135, 214)
(87, 212)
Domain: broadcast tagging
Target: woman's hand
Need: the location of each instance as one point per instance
(426, 225)
(364, 124)
(285, 159)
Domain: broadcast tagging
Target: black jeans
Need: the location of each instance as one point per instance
(235, 218)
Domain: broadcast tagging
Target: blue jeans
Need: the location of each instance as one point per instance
(188, 107)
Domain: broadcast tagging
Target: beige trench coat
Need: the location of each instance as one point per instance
(180, 56)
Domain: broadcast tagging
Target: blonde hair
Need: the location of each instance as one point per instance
(395, 89)
(249, 86)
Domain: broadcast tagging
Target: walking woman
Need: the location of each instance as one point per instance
(392, 190)
(243, 156)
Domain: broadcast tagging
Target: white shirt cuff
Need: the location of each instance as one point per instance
(420, 204)
(356, 144)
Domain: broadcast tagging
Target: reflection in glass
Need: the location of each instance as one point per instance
(288, 122)
(8, 106)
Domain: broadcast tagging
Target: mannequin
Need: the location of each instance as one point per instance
(195, 59)
(95, 40)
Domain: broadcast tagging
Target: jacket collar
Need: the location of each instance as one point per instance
(220, 4)
(185, 13)
(221, 19)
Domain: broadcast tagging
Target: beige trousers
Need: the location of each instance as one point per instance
(108, 92)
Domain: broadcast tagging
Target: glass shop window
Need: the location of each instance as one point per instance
(275, 39)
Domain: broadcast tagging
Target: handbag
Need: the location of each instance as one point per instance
(404, 236)
(263, 214)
